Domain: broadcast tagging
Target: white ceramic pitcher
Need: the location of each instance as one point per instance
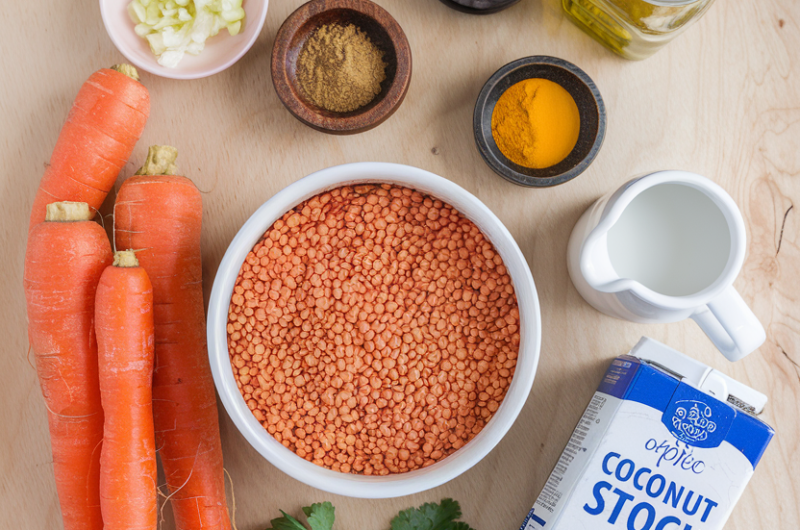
(665, 247)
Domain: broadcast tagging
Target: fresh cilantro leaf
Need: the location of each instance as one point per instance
(320, 515)
(431, 516)
(287, 522)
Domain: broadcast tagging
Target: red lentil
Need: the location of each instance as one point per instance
(373, 330)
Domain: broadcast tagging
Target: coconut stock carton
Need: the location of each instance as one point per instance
(666, 443)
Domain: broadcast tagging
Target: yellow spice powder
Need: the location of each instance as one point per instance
(535, 123)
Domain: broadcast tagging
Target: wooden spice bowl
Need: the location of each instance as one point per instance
(384, 32)
(591, 109)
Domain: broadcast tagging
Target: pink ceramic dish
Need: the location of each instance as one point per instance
(220, 52)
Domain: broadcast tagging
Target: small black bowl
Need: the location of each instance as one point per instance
(590, 107)
(475, 11)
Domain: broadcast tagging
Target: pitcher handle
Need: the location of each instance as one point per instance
(731, 325)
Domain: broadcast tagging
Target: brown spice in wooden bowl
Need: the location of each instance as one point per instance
(340, 69)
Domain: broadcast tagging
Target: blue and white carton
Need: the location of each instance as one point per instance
(666, 443)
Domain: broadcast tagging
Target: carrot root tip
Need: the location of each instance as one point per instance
(233, 500)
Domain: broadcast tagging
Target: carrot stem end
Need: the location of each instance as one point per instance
(125, 258)
(127, 69)
(160, 161)
(66, 211)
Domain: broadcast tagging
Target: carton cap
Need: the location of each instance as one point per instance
(693, 372)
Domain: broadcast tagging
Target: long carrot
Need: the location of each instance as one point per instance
(161, 216)
(63, 263)
(125, 342)
(106, 120)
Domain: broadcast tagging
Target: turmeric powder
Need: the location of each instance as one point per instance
(535, 123)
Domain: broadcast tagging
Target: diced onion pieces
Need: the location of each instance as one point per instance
(175, 27)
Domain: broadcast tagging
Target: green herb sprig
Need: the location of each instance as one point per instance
(429, 516)
(320, 516)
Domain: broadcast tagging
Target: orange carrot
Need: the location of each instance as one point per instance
(63, 263)
(106, 120)
(125, 342)
(161, 216)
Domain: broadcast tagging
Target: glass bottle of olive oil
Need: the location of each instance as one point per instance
(635, 29)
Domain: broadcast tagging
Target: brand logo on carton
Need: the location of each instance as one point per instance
(691, 422)
(696, 419)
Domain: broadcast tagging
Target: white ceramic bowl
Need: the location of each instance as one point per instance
(359, 485)
(220, 52)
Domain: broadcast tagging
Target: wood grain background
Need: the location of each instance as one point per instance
(723, 100)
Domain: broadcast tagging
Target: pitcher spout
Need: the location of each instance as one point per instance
(596, 266)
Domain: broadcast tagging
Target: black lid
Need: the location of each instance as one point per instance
(479, 7)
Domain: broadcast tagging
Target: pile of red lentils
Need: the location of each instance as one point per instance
(373, 330)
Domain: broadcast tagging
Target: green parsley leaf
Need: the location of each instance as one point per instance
(431, 516)
(287, 522)
(320, 515)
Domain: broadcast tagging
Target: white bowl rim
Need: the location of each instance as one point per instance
(394, 485)
(170, 73)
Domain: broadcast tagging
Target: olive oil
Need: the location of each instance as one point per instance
(634, 29)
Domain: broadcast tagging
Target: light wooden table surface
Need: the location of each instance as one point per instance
(723, 100)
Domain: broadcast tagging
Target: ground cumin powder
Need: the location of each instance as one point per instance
(340, 69)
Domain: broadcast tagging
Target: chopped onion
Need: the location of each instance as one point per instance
(175, 27)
